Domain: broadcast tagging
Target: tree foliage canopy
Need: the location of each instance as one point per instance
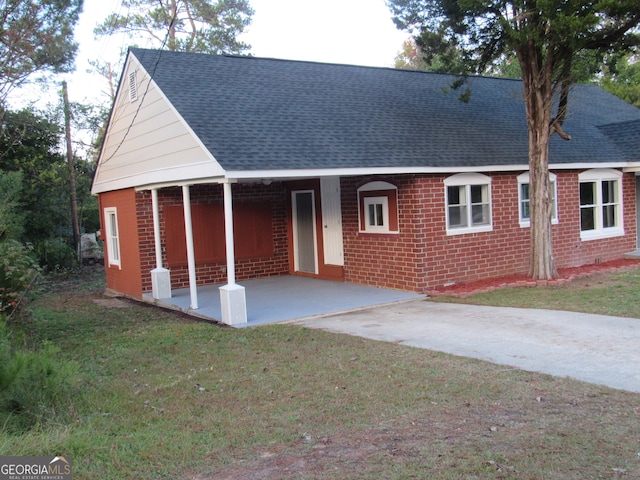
(11, 218)
(29, 144)
(35, 36)
(486, 29)
(547, 37)
(203, 26)
(36, 207)
(623, 80)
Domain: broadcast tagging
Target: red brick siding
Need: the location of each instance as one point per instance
(384, 260)
(422, 256)
(214, 273)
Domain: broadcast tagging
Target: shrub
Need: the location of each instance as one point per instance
(17, 271)
(35, 388)
(57, 255)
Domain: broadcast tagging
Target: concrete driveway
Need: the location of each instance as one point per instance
(592, 348)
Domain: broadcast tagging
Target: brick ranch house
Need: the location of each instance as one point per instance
(374, 176)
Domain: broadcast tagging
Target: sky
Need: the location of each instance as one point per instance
(358, 32)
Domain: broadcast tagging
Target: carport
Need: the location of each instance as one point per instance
(289, 297)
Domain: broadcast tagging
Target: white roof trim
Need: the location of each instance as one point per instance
(154, 176)
(181, 183)
(345, 172)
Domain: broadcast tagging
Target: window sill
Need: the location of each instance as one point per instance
(601, 234)
(527, 223)
(465, 230)
(378, 232)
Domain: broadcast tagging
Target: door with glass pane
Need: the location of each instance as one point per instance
(304, 231)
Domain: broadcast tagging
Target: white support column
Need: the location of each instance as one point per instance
(191, 257)
(160, 277)
(156, 227)
(232, 296)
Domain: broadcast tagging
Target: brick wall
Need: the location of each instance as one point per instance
(423, 256)
(386, 260)
(214, 273)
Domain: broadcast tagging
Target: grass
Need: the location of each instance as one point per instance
(605, 293)
(167, 397)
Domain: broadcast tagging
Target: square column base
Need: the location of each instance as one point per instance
(160, 283)
(233, 303)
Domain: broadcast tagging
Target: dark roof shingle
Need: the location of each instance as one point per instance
(254, 114)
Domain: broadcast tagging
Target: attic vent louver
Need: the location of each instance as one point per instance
(133, 87)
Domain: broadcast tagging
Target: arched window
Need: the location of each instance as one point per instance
(378, 207)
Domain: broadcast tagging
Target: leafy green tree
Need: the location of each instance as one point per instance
(204, 26)
(17, 271)
(623, 79)
(29, 144)
(35, 36)
(546, 37)
(11, 218)
(29, 150)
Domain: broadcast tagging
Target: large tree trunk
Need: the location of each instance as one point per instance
(538, 93)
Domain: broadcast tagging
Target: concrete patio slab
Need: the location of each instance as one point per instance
(276, 299)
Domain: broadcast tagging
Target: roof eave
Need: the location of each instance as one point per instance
(349, 172)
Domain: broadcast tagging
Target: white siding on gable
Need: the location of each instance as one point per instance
(147, 141)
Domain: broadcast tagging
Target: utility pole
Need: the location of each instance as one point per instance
(72, 174)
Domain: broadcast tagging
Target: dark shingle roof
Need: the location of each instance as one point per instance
(625, 136)
(255, 113)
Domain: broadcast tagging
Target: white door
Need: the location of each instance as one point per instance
(331, 221)
(304, 232)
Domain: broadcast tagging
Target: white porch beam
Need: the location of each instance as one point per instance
(191, 257)
(160, 277)
(232, 296)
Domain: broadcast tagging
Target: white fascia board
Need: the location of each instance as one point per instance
(586, 165)
(188, 175)
(346, 172)
(183, 183)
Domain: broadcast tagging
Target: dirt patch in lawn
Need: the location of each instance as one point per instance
(111, 303)
(477, 439)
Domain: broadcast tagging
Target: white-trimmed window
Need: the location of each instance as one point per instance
(376, 214)
(600, 204)
(468, 203)
(378, 207)
(112, 238)
(524, 199)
